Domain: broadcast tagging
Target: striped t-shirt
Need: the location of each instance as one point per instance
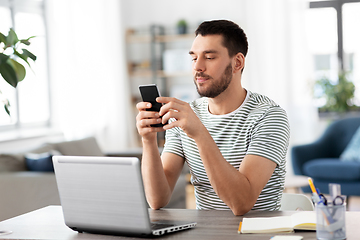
(258, 127)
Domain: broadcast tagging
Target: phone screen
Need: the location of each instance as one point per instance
(149, 93)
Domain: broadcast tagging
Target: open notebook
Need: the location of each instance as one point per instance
(105, 195)
(304, 220)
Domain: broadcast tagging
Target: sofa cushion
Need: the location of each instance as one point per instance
(352, 150)
(332, 168)
(83, 147)
(12, 163)
(46, 147)
(40, 162)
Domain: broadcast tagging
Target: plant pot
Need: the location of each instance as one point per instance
(182, 29)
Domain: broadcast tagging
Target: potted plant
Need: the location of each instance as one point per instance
(339, 96)
(11, 70)
(182, 26)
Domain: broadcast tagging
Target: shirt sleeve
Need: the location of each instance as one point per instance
(173, 143)
(270, 136)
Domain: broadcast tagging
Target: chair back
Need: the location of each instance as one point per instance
(296, 202)
(338, 134)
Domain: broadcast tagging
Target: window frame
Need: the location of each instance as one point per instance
(337, 4)
(35, 7)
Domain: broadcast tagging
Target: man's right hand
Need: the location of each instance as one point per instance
(146, 118)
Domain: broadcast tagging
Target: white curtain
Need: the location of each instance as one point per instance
(90, 93)
(278, 64)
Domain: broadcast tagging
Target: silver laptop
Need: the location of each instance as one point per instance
(105, 195)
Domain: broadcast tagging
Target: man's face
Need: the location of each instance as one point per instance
(212, 66)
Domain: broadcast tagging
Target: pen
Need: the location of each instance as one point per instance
(317, 199)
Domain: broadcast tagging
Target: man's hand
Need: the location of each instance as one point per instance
(185, 117)
(144, 119)
(159, 178)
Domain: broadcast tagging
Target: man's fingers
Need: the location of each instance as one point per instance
(171, 106)
(148, 122)
(170, 114)
(141, 106)
(166, 100)
(146, 115)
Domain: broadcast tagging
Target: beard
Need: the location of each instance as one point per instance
(216, 88)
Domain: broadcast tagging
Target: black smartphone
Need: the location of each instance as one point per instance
(149, 93)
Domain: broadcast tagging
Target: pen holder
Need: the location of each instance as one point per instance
(330, 221)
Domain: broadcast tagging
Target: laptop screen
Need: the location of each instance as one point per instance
(102, 194)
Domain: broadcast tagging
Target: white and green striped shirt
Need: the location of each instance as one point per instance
(258, 127)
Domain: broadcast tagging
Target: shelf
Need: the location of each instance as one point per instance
(159, 73)
(175, 74)
(133, 38)
(172, 38)
(146, 60)
(141, 73)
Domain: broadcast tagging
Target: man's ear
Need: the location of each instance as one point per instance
(239, 62)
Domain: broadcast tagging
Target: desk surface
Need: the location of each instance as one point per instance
(48, 223)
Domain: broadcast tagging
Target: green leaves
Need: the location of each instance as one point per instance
(12, 38)
(2, 38)
(19, 69)
(29, 54)
(338, 96)
(7, 71)
(11, 70)
(7, 106)
(25, 55)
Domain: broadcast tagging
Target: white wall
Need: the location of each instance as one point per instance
(88, 71)
(143, 13)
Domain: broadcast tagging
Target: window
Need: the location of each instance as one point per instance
(30, 100)
(6, 90)
(323, 44)
(351, 18)
(333, 39)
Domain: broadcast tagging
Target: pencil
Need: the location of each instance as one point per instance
(239, 230)
(316, 198)
(313, 189)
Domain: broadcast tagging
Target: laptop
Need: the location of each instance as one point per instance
(105, 195)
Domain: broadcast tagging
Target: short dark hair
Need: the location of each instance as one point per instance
(235, 39)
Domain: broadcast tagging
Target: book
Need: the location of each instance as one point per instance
(304, 220)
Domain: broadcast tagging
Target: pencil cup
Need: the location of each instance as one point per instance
(330, 221)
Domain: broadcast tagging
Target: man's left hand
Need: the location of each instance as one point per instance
(185, 117)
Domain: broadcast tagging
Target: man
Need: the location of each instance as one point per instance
(234, 141)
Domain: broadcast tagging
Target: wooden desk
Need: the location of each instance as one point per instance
(48, 223)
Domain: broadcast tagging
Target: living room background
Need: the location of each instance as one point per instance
(88, 70)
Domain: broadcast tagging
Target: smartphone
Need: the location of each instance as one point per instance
(149, 93)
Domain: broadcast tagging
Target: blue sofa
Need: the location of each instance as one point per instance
(320, 159)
